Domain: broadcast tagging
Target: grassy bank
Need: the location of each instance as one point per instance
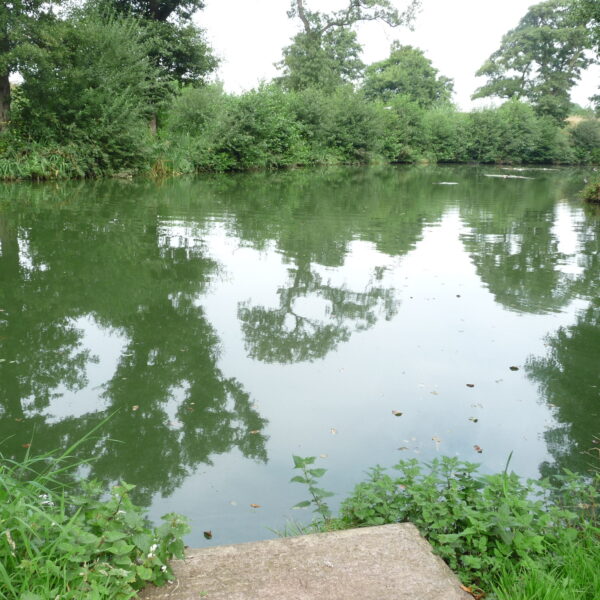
(206, 130)
(506, 538)
(62, 537)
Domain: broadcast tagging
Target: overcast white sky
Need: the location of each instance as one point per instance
(457, 35)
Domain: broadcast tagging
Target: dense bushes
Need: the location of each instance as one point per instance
(499, 533)
(205, 129)
(267, 128)
(92, 89)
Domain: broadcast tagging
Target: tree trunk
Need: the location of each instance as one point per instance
(153, 124)
(4, 101)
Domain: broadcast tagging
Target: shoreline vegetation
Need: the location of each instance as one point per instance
(121, 88)
(506, 538)
(62, 536)
(206, 130)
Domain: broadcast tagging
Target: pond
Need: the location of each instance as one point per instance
(225, 323)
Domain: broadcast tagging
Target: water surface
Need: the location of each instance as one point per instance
(229, 322)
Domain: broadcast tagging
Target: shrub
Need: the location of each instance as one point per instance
(94, 87)
(585, 137)
(75, 541)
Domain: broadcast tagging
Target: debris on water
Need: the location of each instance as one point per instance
(255, 506)
(478, 449)
(435, 393)
(446, 183)
(396, 413)
(513, 368)
(255, 431)
(473, 419)
(403, 448)
(507, 176)
(323, 455)
(498, 380)
(471, 385)
(333, 431)
(207, 534)
(233, 503)
(437, 441)
(134, 407)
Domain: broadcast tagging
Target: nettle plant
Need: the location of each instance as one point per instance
(309, 478)
(476, 523)
(73, 541)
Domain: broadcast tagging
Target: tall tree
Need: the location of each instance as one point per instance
(540, 60)
(326, 52)
(407, 72)
(178, 47)
(21, 23)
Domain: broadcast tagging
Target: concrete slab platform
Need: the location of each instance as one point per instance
(391, 562)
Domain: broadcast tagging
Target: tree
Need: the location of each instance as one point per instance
(406, 72)
(177, 46)
(540, 60)
(326, 53)
(588, 12)
(94, 86)
(21, 23)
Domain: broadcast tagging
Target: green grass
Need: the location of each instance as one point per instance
(575, 574)
(61, 537)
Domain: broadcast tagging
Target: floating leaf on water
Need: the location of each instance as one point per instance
(255, 505)
(396, 413)
(403, 448)
(478, 449)
(333, 431)
(18, 420)
(471, 385)
(437, 441)
(435, 393)
(513, 368)
(26, 445)
(207, 535)
(323, 455)
(473, 419)
(135, 407)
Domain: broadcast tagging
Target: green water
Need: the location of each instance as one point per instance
(234, 321)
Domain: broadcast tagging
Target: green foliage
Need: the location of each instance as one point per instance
(497, 532)
(585, 137)
(327, 54)
(73, 540)
(540, 60)
(177, 47)
(478, 524)
(445, 137)
(92, 88)
(321, 60)
(310, 477)
(406, 72)
(591, 192)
